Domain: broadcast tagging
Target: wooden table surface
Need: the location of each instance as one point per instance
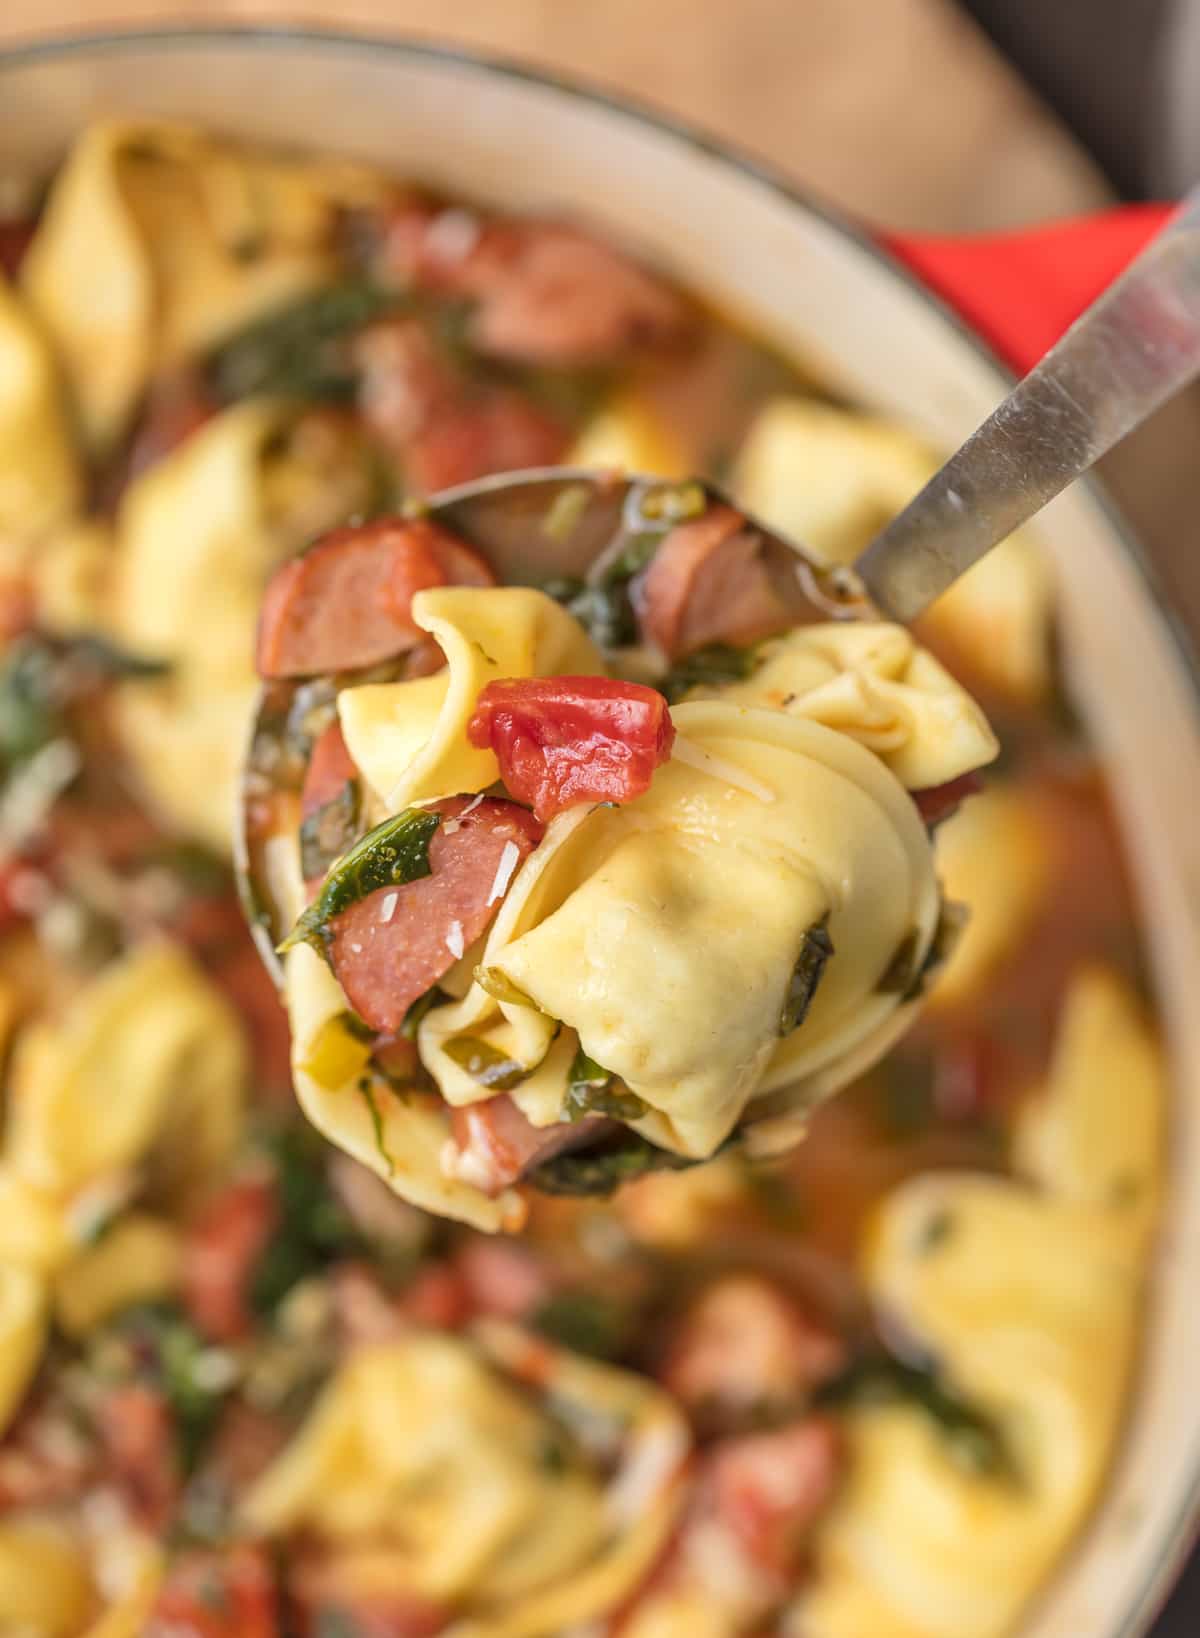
(897, 110)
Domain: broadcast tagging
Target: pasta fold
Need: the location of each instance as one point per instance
(1029, 1298)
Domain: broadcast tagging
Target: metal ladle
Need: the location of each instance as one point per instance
(1134, 348)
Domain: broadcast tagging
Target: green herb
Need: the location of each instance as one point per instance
(937, 1231)
(604, 1168)
(501, 988)
(300, 352)
(483, 1063)
(815, 950)
(973, 1439)
(565, 511)
(586, 1322)
(593, 1090)
(424, 1003)
(709, 667)
(394, 853)
(606, 614)
(41, 676)
(326, 834)
(367, 1092)
(159, 1341)
(313, 1228)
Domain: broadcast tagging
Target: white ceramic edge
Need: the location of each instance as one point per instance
(820, 288)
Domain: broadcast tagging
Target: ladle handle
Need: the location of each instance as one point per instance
(1134, 348)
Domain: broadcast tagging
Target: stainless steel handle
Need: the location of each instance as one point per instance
(1134, 348)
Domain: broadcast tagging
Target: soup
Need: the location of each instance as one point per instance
(868, 1388)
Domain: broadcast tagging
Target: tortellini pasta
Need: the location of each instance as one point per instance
(46, 1587)
(874, 683)
(409, 739)
(158, 240)
(658, 937)
(630, 435)
(40, 478)
(197, 537)
(665, 933)
(831, 478)
(1029, 1297)
(135, 1090)
(443, 1456)
(994, 855)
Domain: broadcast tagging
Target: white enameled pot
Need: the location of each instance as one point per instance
(828, 293)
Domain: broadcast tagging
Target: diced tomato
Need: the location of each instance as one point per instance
(496, 1144)
(138, 1436)
(710, 582)
(390, 947)
(561, 741)
(229, 1594)
(941, 801)
(745, 1345)
(501, 1278)
(435, 1297)
(768, 1489)
(222, 1246)
(347, 601)
(16, 234)
(546, 293)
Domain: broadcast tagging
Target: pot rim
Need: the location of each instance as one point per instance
(1149, 1598)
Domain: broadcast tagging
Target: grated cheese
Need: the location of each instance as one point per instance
(693, 757)
(388, 908)
(509, 860)
(454, 940)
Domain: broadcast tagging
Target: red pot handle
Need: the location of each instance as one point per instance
(1022, 290)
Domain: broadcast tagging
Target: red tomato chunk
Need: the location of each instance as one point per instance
(561, 741)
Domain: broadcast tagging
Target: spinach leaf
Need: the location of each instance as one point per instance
(163, 1344)
(815, 950)
(300, 351)
(483, 1063)
(423, 1004)
(395, 852)
(586, 1322)
(593, 1090)
(41, 676)
(604, 1168)
(709, 667)
(326, 834)
(973, 1439)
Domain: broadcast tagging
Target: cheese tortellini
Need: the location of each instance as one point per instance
(197, 537)
(453, 1471)
(159, 240)
(409, 739)
(136, 1090)
(831, 478)
(40, 476)
(1029, 1295)
(658, 937)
